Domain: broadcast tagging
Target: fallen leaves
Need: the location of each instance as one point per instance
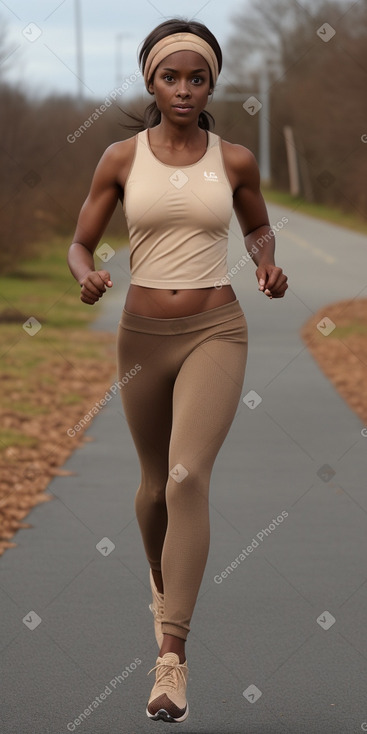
(26, 470)
(342, 355)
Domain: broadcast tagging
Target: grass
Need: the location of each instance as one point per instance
(355, 328)
(44, 288)
(15, 438)
(71, 399)
(320, 211)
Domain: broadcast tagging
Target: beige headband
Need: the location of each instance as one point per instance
(180, 42)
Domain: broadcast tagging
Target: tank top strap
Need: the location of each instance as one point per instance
(143, 143)
(213, 139)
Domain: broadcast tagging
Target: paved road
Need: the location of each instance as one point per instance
(286, 623)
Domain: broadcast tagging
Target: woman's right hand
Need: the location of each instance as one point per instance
(93, 286)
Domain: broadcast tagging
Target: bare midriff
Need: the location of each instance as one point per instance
(165, 303)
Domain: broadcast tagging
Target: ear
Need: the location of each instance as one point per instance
(150, 88)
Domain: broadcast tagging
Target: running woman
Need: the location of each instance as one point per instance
(182, 322)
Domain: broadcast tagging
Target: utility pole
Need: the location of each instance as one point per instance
(119, 67)
(264, 125)
(79, 53)
(264, 122)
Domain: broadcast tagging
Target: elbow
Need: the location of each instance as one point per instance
(71, 252)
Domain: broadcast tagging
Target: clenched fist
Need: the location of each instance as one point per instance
(93, 286)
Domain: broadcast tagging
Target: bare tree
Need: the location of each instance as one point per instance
(6, 49)
(317, 85)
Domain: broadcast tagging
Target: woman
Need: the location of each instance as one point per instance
(182, 322)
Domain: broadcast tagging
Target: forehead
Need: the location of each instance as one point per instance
(184, 60)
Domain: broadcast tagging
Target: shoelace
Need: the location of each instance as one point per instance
(157, 612)
(170, 679)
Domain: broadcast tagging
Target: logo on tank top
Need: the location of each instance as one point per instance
(211, 177)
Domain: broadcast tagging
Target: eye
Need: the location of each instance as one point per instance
(198, 79)
(168, 77)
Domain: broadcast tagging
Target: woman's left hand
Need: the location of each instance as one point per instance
(272, 280)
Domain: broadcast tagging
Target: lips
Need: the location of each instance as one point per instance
(182, 107)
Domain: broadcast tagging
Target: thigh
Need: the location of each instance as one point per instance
(147, 397)
(205, 399)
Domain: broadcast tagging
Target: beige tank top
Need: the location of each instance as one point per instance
(178, 218)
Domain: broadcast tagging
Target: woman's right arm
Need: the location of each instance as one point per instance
(94, 216)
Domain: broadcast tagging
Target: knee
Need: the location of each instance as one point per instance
(191, 481)
(152, 491)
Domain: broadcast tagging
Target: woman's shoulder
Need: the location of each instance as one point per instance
(117, 159)
(237, 154)
(121, 150)
(240, 160)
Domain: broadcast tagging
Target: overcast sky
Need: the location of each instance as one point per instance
(42, 40)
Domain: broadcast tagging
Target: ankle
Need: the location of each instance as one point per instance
(173, 644)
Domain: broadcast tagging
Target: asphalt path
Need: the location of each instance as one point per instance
(278, 641)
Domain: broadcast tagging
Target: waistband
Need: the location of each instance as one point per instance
(182, 324)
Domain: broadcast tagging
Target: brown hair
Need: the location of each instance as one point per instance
(152, 115)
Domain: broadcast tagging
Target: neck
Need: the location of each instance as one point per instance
(169, 135)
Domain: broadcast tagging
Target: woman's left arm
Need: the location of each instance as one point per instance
(252, 215)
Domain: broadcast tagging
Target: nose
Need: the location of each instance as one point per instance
(183, 89)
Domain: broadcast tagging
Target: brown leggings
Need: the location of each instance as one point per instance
(182, 383)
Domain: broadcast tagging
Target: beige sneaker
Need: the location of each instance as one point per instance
(168, 697)
(157, 609)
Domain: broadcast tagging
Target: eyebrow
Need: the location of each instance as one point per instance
(194, 71)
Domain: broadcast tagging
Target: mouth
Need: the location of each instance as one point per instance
(182, 107)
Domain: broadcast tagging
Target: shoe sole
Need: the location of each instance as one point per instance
(163, 715)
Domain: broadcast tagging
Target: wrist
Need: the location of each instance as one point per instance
(82, 278)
